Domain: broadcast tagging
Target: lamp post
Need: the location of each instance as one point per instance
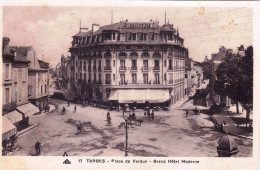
(125, 111)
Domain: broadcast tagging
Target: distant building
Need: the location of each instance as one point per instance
(63, 73)
(129, 62)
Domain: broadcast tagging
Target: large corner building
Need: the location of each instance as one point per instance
(129, 62)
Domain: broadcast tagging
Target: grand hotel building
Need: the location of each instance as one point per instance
(129, 62)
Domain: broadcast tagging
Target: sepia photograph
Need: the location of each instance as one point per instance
(127, 81)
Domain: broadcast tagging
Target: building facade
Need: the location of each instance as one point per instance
(38, 86)
(16, 108)
(129, 62)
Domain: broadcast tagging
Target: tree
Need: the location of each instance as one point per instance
(235, 79)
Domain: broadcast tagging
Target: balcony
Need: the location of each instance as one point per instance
(122, 68)
(147, 82)
(123, 82)
(9, 106)
(99, 68)
(170, 81)
(156, 82)
(107, 68)
(89, 69)
(170, 68)
(84, 68)
(134, 82)
(107, 82)
(133, 68)
(145, 68)
(156, 68)
(95, 68)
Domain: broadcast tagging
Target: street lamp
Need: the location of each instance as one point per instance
(126, 111)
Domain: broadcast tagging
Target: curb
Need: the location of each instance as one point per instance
(26, 130)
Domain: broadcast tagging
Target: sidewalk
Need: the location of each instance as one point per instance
(179, 103)
(52, 108)
(231, 127)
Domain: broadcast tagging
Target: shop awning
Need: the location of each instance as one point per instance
(28, 109)
(8, 128)
(139, 95)
(14, 116)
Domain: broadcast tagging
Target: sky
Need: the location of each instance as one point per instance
(50, 29)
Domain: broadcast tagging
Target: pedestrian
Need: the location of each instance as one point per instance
(75, 108)
(187, 112)
(152, 114)
(68, 103)
(144, 113)
(196, 111)
(65, 154)
(63, 110)
(38, 148)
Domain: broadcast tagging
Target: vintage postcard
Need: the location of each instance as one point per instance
(147, 85)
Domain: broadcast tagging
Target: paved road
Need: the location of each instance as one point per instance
(169, 134)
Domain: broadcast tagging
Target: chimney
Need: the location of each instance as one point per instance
(95, 27)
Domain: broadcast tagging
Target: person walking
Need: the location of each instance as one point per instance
(75, 108)
(63, 110)
(152, 114)
(68, 103)
(38, 148)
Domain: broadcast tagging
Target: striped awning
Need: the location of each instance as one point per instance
(140, 95)
(14, 116)
(8, 129)
(28, 109)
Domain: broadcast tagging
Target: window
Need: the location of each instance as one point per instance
(45, 89)
(114, 77)
(80, 76)
(122, 65)
(95, 78)
(144, 36)
(164, 63)
(114, 63)
(80, 63)
(85, 76)
(7, 71)
(99, 78)
(170, 65)
(76, 63)
(134, 66)
(134, 79)
(85, 63)
(145, 77)
(145, 63)
(107, 80)
(108, 63)
(76, 76)
(89, 77)
(156, 79)
(15, 75)
(122, 79)
(7, 93)
(99, 64)
(41, 89)
(134, 36)
(23, 75)
(156, 64)
(16, 92)
(170, 78)
(29, 91)
(165, 76)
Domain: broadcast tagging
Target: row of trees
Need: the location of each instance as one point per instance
(234, 78)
